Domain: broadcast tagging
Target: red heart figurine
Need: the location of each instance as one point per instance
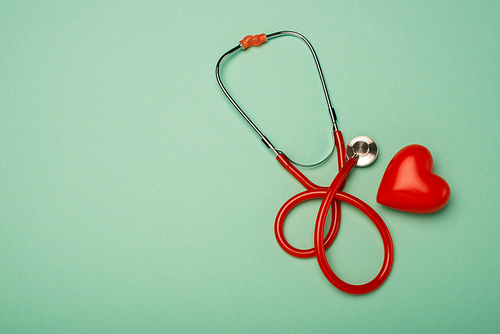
(410, 185)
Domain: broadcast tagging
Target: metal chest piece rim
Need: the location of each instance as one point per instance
(365, 147)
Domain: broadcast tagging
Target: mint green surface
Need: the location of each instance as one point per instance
(134, 199)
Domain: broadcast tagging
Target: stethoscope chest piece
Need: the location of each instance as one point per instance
(366, 149)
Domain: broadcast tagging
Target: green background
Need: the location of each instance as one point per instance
(133, 197)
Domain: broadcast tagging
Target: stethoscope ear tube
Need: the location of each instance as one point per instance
(256, 40)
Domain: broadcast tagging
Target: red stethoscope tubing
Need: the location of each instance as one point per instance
(332, 196)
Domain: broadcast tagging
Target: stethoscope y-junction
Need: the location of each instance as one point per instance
(361, 151)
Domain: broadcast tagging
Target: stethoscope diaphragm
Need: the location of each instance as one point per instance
(366, 149)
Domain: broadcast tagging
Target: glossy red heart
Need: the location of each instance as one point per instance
(410, 185)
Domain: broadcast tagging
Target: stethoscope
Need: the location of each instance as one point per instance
(361, 151)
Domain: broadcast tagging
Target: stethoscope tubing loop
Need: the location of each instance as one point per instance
(333, 194)
(289, 205)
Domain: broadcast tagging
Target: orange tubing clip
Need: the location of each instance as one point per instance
(253, 40)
